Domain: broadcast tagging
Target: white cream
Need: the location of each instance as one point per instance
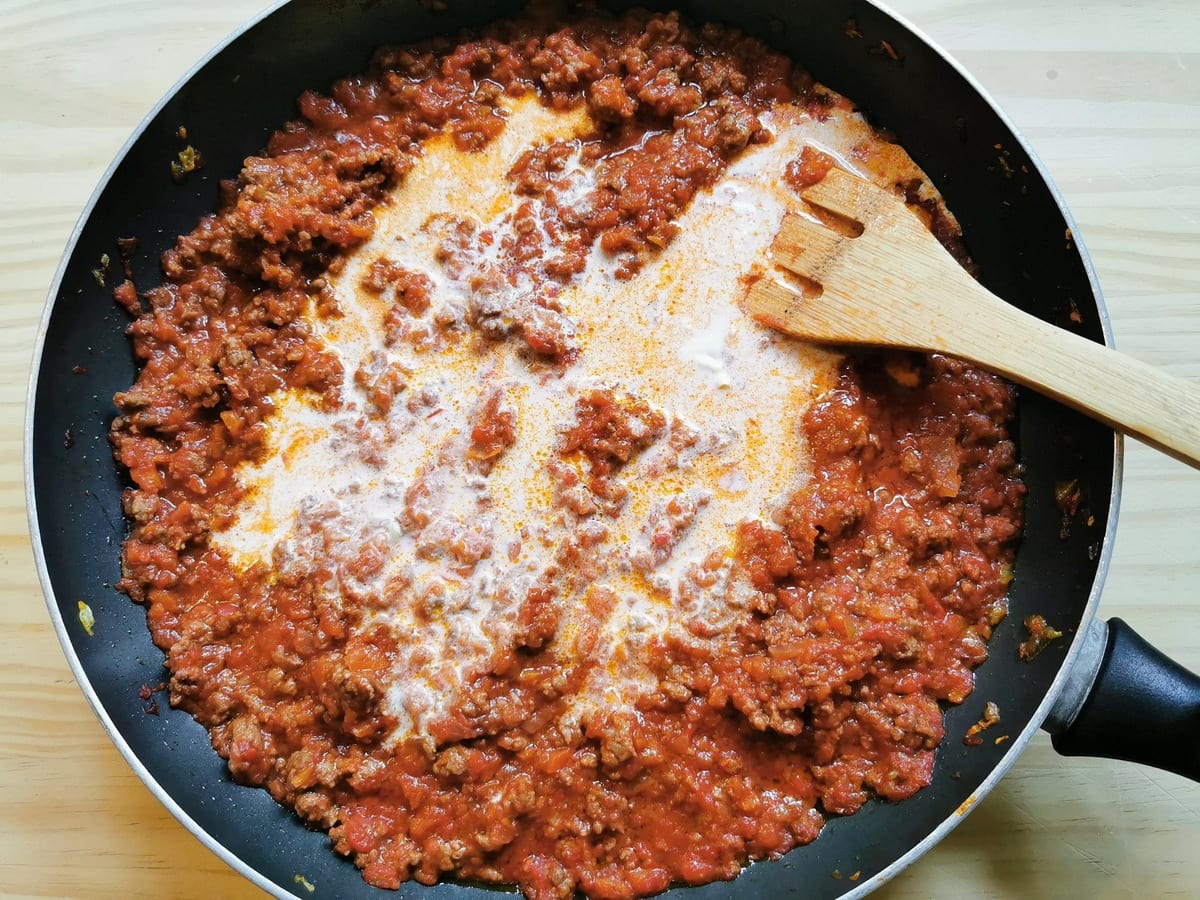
(706, 348)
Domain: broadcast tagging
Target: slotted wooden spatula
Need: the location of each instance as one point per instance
(896, 286)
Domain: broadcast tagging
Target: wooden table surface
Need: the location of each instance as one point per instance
(1109, 94)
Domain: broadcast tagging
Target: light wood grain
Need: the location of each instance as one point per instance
(892, 284)
(1109, 94)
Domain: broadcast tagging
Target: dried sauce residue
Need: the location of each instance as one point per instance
(991, 716)
(146, 695)
(189, 161)
(1040, 637)
(86, 618)
(1067, 497)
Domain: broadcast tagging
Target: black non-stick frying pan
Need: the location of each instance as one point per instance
(1104, 692)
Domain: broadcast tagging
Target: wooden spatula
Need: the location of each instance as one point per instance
(896, 286)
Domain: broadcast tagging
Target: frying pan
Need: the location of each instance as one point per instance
(1014, 226)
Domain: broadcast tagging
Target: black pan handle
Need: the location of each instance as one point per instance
(1142, 707)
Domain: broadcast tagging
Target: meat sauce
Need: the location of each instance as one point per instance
(792, 670)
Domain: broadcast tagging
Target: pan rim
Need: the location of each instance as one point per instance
(1016, 746)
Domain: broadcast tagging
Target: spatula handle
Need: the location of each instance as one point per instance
(1131, 396)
